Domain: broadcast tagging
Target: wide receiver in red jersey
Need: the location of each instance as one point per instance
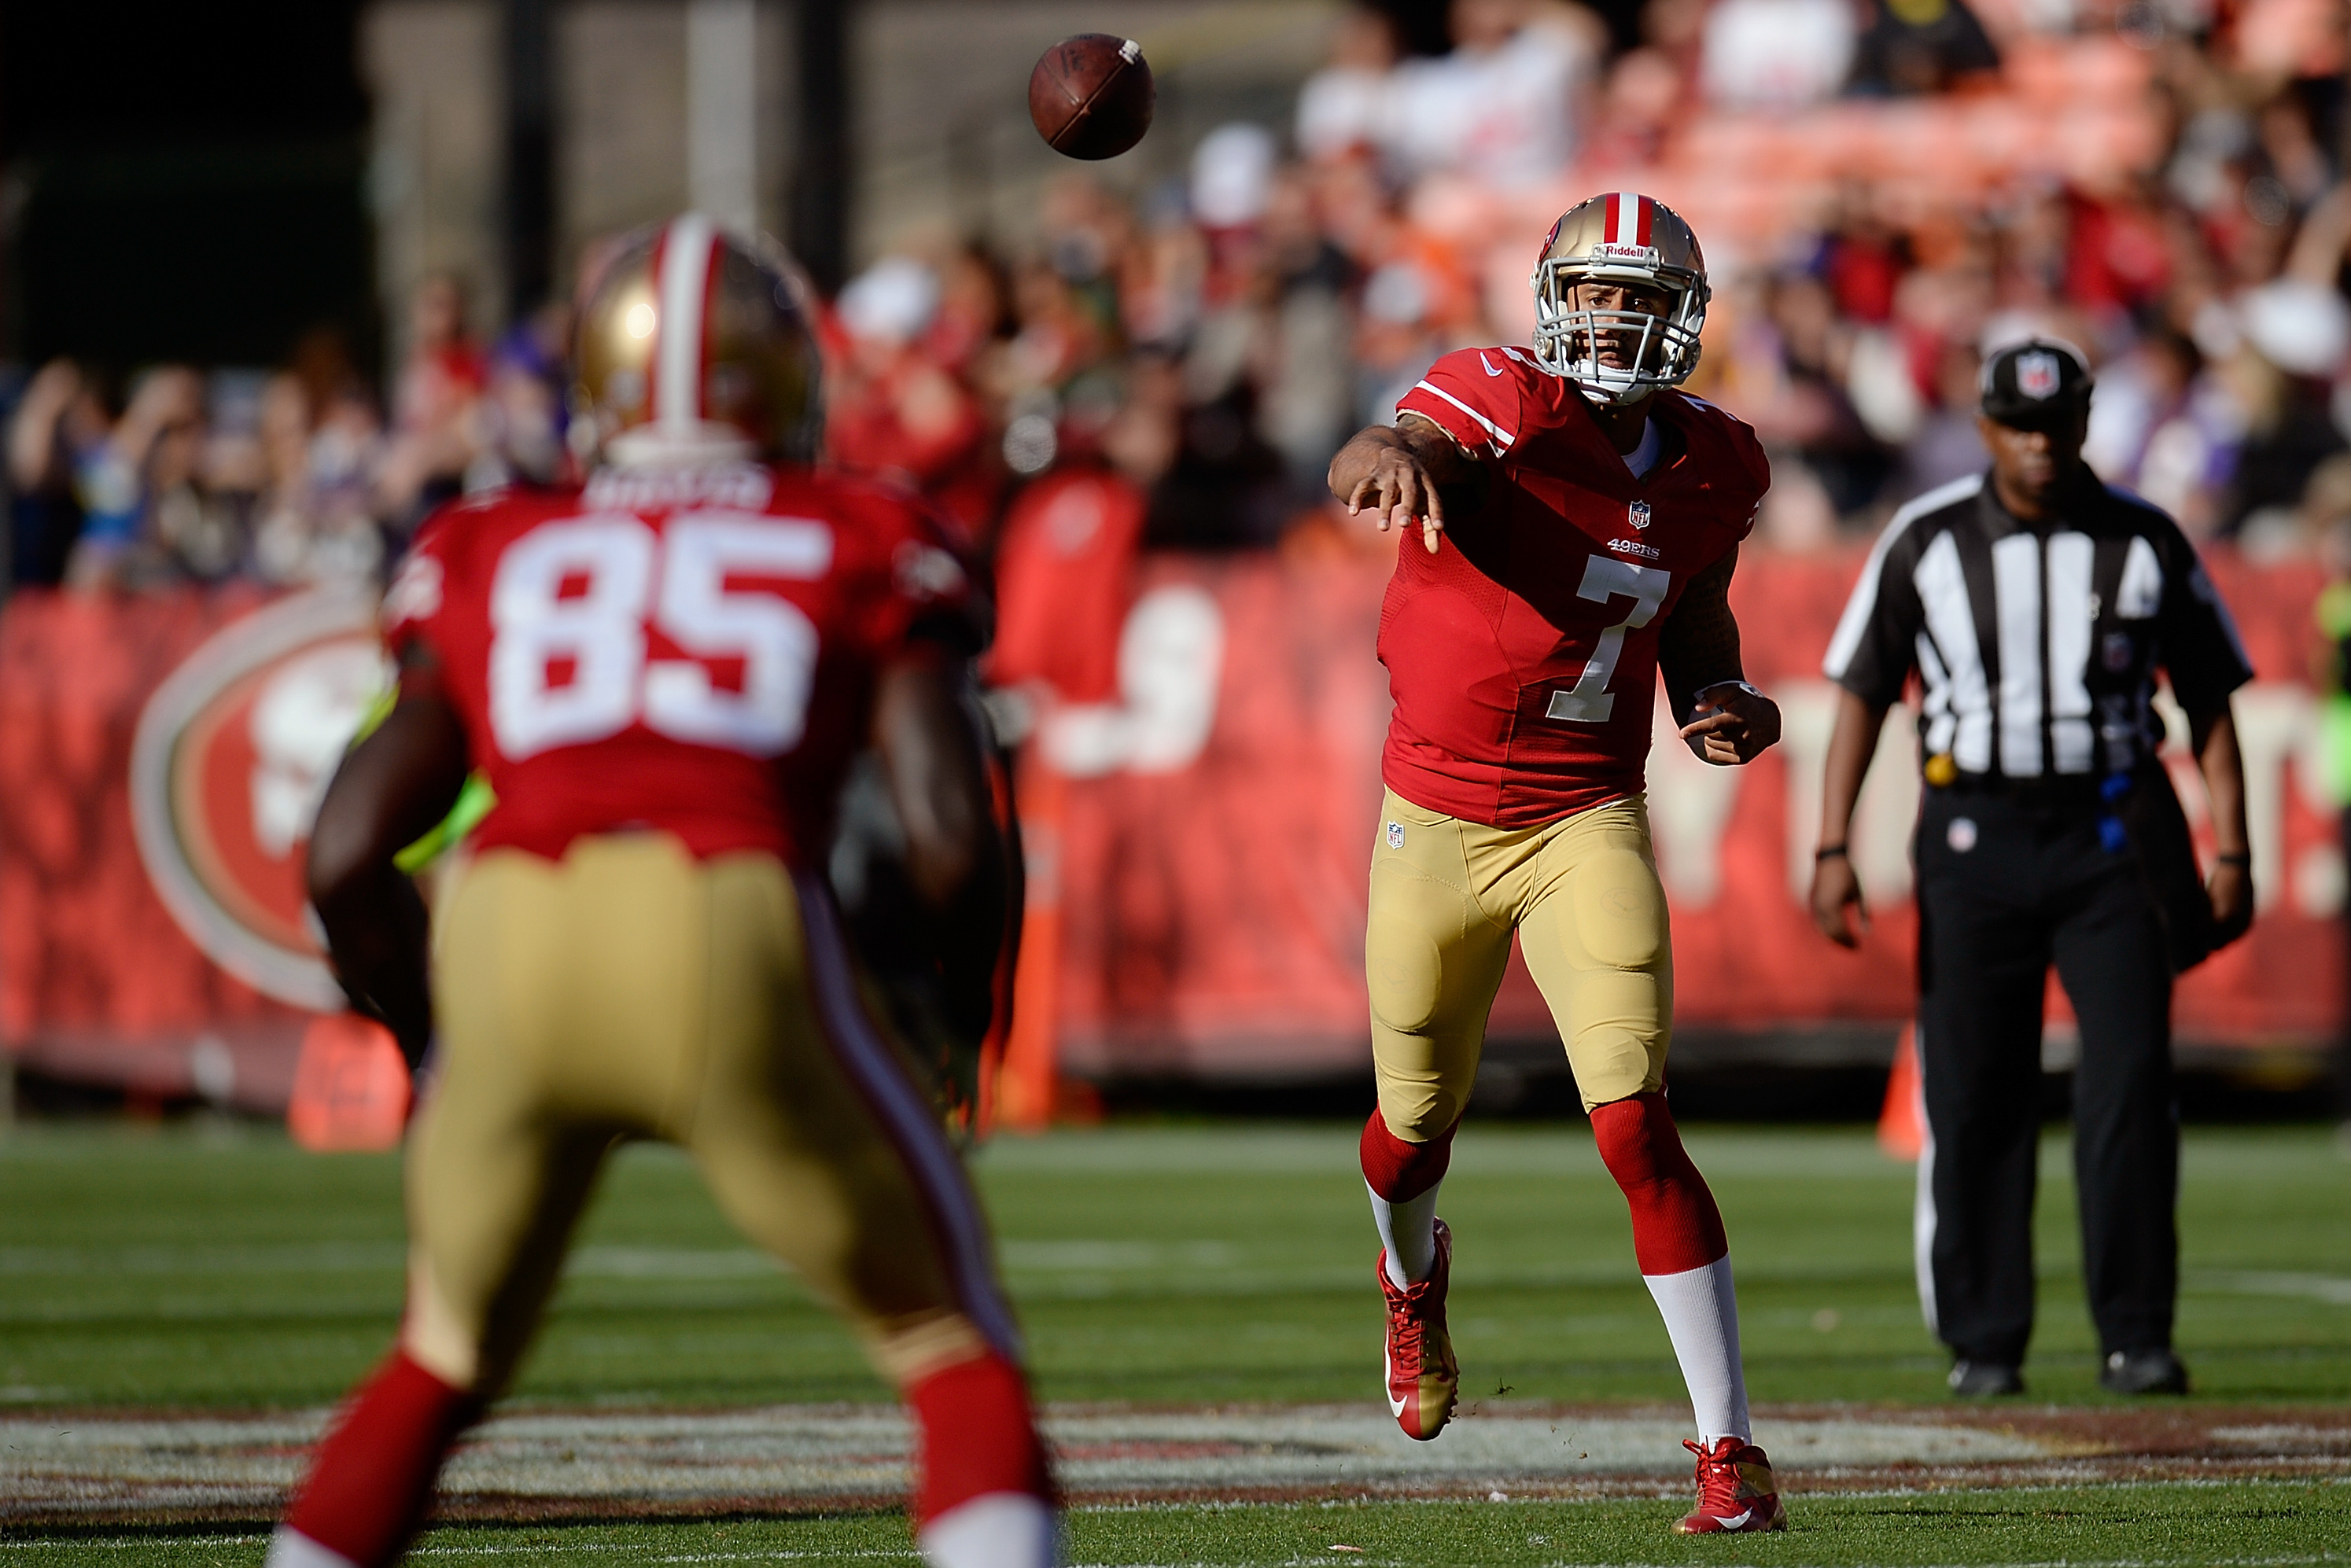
(1579, 522)
(663, 676)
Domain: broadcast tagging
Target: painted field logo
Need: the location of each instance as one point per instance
(232, 754)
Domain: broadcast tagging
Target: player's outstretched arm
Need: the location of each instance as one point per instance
(955, 856)
(391, 791)
(1397, 471)
(1853, 741)
(1724, 720)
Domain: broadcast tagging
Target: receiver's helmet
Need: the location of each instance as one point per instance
(694, 346)
(1620, 356)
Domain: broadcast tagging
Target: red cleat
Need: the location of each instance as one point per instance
(1736, 1494)
(1422, 1377)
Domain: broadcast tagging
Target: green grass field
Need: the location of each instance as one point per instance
(2272, 1525)
(190, 1266)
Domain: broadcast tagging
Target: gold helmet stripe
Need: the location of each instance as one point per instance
(683, 269)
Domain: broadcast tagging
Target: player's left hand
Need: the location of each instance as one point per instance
(1731, 724)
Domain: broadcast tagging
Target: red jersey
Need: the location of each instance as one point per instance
(1064, 583)
(1522, 655)
(692, 650)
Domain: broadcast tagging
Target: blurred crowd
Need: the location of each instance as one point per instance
(1886, 189)
(293, 477)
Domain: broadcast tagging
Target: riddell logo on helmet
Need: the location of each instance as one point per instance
(1642, 255)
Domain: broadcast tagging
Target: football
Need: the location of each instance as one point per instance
(1092, 95)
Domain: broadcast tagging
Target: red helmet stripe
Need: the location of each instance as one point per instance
(1628, 218)
(1649, 211)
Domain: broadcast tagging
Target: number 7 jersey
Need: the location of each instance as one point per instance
(1523, 655)
(691, 651)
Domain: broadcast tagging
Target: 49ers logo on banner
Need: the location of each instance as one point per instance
(231, 755)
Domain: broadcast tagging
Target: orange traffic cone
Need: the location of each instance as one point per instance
(1023, 1101)
(1902, 1124)
(351, 1087)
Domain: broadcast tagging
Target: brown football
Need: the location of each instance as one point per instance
(1091, 95)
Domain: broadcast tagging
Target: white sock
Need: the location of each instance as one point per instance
(289, 1548)
(1701, 1313)
(1408, 1231)
(998, 1530)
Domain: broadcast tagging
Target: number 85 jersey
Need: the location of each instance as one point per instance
(691, 651)
(1523, 655)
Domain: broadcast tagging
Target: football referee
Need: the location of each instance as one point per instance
(2036, 605)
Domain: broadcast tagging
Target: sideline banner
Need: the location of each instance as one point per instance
(160, 756)
(1216, 826)
(161, 760)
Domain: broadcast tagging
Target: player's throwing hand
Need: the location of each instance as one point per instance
(1395, 475)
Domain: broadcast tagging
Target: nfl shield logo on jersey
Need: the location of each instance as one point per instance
(1638, 514)
(2036, 375)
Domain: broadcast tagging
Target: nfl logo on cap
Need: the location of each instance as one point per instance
(2036, 375)
(1638, 514)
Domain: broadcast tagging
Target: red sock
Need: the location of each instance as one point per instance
(1397, 1171)
(373, 1478)
(975, 1435)
(1676, 1226)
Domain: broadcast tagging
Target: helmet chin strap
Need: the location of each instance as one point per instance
(1612, 397)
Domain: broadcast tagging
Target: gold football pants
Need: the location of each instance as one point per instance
(1584, 896)
(631, 992)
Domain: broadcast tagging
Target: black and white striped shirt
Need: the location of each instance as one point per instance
(2037, 643)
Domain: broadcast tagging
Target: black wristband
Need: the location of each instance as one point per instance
(1830, 852)
(2240, 858)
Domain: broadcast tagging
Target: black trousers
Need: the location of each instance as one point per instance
(2007, 885)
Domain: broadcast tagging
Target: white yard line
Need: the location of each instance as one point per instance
(804, 1454)
(2332, 1289)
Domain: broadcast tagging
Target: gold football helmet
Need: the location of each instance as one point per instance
(694, 346)
(1620, 356)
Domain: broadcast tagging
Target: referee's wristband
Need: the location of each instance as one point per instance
(1829, 853)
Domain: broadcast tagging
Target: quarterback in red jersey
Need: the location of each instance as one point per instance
(663, 676)
(1579, 520)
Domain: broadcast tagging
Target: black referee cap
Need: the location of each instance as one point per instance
(2042, 383)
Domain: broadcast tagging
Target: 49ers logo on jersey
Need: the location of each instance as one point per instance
(231, 757)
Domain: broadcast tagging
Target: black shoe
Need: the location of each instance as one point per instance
(2143, 1372)
(1982, 1379)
